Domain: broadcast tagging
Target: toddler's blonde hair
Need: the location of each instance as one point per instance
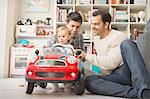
(63, 28)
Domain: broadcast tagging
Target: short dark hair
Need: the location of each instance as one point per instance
(106, 17)
(75, 16)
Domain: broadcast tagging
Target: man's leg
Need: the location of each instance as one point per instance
(97, 85)
(118, 83)
(133, 59)
(113, 84)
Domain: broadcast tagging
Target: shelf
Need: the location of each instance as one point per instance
(120, 5)
(83, 7)
(101, 6)
(87, 41)
(86, 25)
(60, 23)
(137, 25)
(34, 37)
(121, 26)
(137, 7)
(65, 6)
(45, 26)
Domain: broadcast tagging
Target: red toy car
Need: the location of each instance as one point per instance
(55, 67)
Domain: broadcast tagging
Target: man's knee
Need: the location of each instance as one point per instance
(127, 43)
(89, 82)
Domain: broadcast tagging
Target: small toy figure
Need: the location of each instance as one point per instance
(21, 22)
(48, 21)
(28, 22)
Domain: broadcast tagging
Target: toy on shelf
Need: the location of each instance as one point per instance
(25, 22)
(48, 20)
(28, 22)
(43, 31)
(141, 15)
(40, 22)
(25, 43)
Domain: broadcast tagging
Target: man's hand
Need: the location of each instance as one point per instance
(82, 55)
(134, 35)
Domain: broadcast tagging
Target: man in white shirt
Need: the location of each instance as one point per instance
(122, 66)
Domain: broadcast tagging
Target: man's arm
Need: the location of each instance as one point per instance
(81, 42)
(77, 42)
(106, 62)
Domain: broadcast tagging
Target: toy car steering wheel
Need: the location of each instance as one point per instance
(58, 48)
(50, 50)
(62, 48)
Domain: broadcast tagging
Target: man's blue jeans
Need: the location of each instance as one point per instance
(127, 80)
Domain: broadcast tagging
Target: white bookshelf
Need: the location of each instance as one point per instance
(126, 26)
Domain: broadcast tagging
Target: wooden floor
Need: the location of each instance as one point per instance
(11, 88)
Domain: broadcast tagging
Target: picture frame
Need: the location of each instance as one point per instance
(37, 6)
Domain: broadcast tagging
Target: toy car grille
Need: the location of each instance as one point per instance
(50, 74)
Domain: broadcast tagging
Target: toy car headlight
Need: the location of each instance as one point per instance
(29, 73)
(72, 59)
(73, 74)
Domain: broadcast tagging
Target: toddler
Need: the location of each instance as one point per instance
(63, 37)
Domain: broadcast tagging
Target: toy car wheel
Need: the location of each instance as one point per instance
(80, 85)
(29, 87)
(43, 85)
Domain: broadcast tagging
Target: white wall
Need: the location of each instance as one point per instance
(22, 13)
(3, 16)
(10, 12)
